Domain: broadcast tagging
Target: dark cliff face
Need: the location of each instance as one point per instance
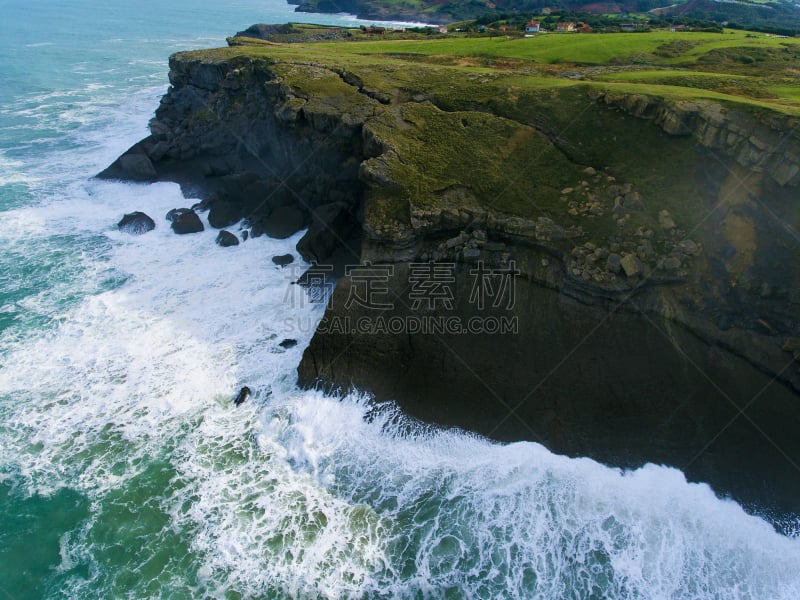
(234, 135)
(658, 288)
(617, 383)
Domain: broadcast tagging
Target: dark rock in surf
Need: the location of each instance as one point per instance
(133, 165)
(223, 213)
(288, 343)
(242, 396)
(256, 229)
(136, 223)
(137, 167)
(184, 220)
(201, 206)
(283, 259)
(227, 239)
(176, 212)
(283, 222)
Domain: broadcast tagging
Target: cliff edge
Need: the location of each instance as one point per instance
(652, 239)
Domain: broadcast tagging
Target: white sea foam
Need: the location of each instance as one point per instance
(144, 341)
(300, 494)
(164, 343)
(11, 171)
(334, 500)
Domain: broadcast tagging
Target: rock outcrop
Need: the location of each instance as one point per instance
(136, 223)
(226, 239)
(768, 143)
(233, 133)
(331, 226)
(283, 259)
(134, 165)
(657, 280)
(184, 220)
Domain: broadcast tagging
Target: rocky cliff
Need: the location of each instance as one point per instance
(256, 150)
(759, 142)
(653, 244)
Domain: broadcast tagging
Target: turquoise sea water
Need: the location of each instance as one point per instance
(124, 470)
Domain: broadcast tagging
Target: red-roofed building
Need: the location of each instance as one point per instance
(565, 26)
(532, 26)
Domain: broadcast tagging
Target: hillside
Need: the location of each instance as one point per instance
(781, 16)
(447, 11)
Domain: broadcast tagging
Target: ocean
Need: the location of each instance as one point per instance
(125, 470)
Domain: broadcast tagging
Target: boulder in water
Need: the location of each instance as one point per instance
(184, 220)
(175, 213)
(242, 396)
(226, 239)
(288, 343)
(223, 213)
(283, 259)
(136, 223)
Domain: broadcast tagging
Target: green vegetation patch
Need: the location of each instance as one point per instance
(725, 83)
(772, 58)
(508, 124)
(508, 166)
(612, 48)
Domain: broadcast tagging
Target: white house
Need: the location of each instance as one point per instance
(532, 27)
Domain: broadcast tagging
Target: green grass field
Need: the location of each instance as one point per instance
(735, 67)
(560, 48)
(507, 124)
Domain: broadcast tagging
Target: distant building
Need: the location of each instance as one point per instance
(532, 26)
(584, 28)
(564, 26)
(633, 26)
(504, 28)
(443, 29)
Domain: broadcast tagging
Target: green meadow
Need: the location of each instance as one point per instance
(512, 119)
(732, 67)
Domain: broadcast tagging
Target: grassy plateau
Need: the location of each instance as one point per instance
(513, 124)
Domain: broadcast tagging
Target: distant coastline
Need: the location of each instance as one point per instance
(370, 9)
(771, 16)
